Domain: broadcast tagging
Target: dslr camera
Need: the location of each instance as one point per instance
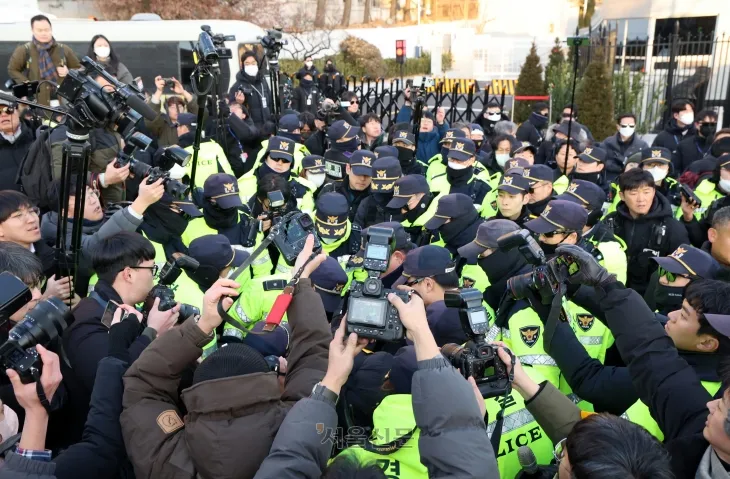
(369, 313)
(171, 155)
(546, 275)
(289, 233)
(41, 325)
(477, 358)
(168, 275)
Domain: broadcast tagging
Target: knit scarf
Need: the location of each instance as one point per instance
(710, 467)
(45, 63)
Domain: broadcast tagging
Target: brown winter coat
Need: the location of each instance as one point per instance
(231, 422)
(163, 129)
(18, 62)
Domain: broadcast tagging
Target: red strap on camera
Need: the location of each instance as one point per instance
(283, 300)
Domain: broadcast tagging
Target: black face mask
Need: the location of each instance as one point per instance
(668, 298)
(162, 224)
(444, 154)
(499, 267)
(218, 218)
(453, 228)
(592, 177)
(459, 177)
(707, 130)
(295, 137)
(549, 249)
(538, 120)
(538, 207)
(405, 155)
(414, 213)
(306, 83)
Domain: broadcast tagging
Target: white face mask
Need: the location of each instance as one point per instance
(725, 186)
(251, 70)
(687, 118)
(494, 116)
(626, 131)
(457, 165)
(317, 179)
(658, 173)
(502, 159)
(308, 64)
(102, 52)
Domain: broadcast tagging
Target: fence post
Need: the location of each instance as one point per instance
(672, 65)
(454, 100)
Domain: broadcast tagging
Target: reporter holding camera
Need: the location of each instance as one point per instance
(252, 90)
(125, 265)
(164, 127)
(234, 404)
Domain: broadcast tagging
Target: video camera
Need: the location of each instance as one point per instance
(546, 276)
(272, 42)
(369, 313)
(211, 47)
(171, 155)
(168, 275)
(41, 325)
(419, 88)
(477, 358)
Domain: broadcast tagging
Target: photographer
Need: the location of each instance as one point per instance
(125, 265)
(96, 227)
(223, 417)
(355, 187)
(252, 90)
(664, 381)
(15, 139)
(374, 208)
(164, 127)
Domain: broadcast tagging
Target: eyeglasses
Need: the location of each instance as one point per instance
(671, 277)
(154, 268)
(413, 283)
(551, 234)
(354, 102)
(30, 212)
(709, 123)
(559, 450)
(8, 110)
(278, 160)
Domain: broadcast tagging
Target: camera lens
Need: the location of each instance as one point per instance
(372, 287)
(176, 189)
(42, 324)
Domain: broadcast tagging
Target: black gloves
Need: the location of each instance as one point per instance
(590, 272)
(122, 335)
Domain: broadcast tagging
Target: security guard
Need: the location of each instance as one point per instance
(541, 187)
(460, 176)
(290, 128)
(211, 157)
(339, 238)
(437, 163)
(356, 185)
(413, 197)
(374, 209)
(513, 195)
(405, 144)
(277, 160)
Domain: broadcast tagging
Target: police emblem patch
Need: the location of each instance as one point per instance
(585, 322)
(530, 335)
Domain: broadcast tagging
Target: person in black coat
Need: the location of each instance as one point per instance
(252, 90)
(680, 126)
(15, 140)
(532, 129)
(86, 342)
(308, 68)
(644, 220)
(697, 441)
(306, 96)
(355, 187)
(456, 221)
(695, 147)
(373, 209)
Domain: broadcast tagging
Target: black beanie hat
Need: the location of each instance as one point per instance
(233, 359)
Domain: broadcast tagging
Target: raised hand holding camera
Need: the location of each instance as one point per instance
(589, 271)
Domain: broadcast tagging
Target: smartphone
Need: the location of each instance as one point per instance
(108, 316)
(140, 83)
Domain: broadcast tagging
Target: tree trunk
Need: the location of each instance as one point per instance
(407, 11)
(346, 13)
(394, 11)
(319, 16)
(366, 13)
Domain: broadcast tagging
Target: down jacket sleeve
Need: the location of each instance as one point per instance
(454, 440)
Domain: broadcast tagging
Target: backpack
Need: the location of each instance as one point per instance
(35, 173)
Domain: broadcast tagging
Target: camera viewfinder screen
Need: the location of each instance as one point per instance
(377, 251)
(369, 312)
(478, 317)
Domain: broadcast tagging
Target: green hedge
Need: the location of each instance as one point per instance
(413, 66)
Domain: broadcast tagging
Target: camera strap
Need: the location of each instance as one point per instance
(283, 300)
(39, 390)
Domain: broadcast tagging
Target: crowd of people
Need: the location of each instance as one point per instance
(628, 382)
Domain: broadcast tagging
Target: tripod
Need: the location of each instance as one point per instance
(204, 80)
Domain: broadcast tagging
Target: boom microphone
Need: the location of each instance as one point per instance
(528, 461)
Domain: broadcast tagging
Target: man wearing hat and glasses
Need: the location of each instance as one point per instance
(374, 209)
(413, 197)
(541, 187)
(355, 187)
(460, 175)
(290, 128)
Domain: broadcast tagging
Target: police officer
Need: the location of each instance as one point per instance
(338, 237)
(164, 224)
(290, 127)
(437, 164)
(211, 157)
(312, 174)
(515, 166)
(658, 162)
(513, 195)
(374, 208)
(541, 187)
(330, 282)
(430, 271)
(277, 160)
(413, 197)
(343, 142)
(455, 222)
(386, 150)
(404, 143)
(356, 185)
(460, 176)
(591, 167)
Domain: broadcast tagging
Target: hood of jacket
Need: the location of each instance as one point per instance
(231, 423)
(660, 208)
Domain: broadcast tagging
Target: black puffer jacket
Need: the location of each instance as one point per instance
(11, 156)
(258, 96)
(655, 234)
(672, 135)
